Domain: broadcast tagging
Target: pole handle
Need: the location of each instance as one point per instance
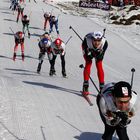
(104, 32)
(132, 78)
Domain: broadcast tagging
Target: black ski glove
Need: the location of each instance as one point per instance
(114, 121)
(124, 118)
(124, 123)
(99, 54)
(121, 115)
(90, 53)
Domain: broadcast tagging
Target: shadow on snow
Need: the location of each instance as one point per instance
(90, 136)
(7, 13)
(54, 87)
(9, 20)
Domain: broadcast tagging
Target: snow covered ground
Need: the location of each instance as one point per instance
(39, 107)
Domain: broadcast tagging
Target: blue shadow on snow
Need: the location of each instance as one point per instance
(91, 136)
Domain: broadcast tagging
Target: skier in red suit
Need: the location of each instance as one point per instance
(94, 46)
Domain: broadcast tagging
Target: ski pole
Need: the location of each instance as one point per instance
(82, 66)
(132, 70)
(43, 132)
(75, 32)
(11, 30)
(104, 32)
(30, 14)
(68, 40)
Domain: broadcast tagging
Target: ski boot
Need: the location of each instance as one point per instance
(29, 35)
(57, 32)
(85, 93)
(14, 56)
(64, 74)
(44, 28)
(85, 88)
(17, 20)
(58, 35)
(39, 68)
(101, 85)
(22, 55)
(52, 72)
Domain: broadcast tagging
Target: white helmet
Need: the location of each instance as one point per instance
(97, 35)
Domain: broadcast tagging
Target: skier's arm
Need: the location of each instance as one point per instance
(63, 49)
(42, 49)
(85, 48)
(133, 100)
(111, 119)
(100, 53)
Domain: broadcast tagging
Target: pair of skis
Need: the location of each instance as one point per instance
(86, 97)
(14, 57)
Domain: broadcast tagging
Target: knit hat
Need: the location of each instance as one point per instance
(122, 89)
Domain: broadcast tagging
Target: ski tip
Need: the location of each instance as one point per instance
(86, 97)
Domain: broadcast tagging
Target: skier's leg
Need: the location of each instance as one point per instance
(41, 59)
(56, 27)
(22, 13)
(86, 74)
(22, 51)
(45, 23)
(109, 130)
(100, 73)
(16, 47)
(122, 133)
(39, 66)
(23, 29)
(87, 69)
(52, 63)
(28, 30)
(51, 28)
(15, 50)
(18, 15)
(63, 65)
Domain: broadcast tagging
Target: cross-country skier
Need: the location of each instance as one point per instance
(54, 22)
(19, 40)
(44, 46)
(116, 105)
(20, 8)
(57, 48)
(25, 23)
(93, 46)
(13, 6)
(47, 17)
